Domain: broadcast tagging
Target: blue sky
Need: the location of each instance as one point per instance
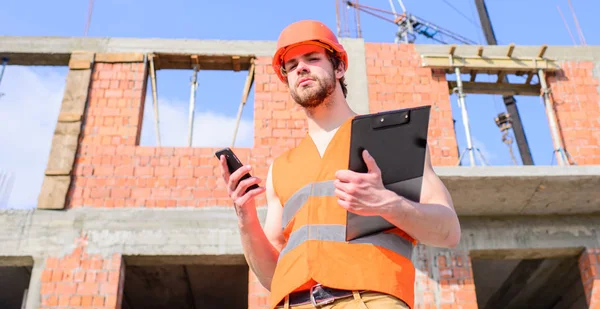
(34, 93)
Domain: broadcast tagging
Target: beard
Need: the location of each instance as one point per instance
(314, 95)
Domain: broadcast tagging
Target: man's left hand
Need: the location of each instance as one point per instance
(364, 193)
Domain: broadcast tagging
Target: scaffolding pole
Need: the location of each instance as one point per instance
(245, 93)
(561, 155)
(154, 98)
(193, 88)
(465, 116)
(4, 61)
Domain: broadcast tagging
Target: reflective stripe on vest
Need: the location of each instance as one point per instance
(337, 232)
(332, 232)
(295, 202)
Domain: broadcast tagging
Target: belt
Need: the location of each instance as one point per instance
(318, 295)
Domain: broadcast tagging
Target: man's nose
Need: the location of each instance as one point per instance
(302, 67)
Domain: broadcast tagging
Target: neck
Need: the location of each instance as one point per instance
(329, 115)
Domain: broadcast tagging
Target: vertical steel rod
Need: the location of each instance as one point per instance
(558, 148)
(465, 116)
(194, 86)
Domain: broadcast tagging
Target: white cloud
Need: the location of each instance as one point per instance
(210, 129)
(29, 108)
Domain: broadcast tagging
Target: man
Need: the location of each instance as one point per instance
(301, 254)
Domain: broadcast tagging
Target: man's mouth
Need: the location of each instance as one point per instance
(304, 81)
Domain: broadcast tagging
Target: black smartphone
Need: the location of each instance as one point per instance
(233, 164)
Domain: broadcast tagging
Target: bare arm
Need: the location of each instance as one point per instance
(262, 245)
(433, 221)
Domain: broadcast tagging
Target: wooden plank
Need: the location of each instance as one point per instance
(509, 65)
(119, 57)
(206, 62)
(53, 194)
(495, 88)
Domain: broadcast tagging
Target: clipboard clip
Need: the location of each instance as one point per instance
(390, 119)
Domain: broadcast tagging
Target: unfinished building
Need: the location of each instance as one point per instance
(120, 225)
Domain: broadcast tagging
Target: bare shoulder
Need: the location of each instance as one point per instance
(434, 191)
(273, 229)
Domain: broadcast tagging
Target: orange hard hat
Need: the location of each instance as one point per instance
(306, 32)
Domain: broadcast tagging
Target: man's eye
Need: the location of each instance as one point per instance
(314, 59)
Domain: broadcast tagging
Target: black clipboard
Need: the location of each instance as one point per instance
(397, 140)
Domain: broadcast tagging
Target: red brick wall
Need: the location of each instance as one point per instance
(396, 80)
(589, 266)
(456, 286)
(79, 280)
(577, 103)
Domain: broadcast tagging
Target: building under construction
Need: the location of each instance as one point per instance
(121, 225)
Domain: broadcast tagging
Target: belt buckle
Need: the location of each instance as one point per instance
(313, 300)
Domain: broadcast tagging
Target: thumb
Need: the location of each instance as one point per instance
(370, 162)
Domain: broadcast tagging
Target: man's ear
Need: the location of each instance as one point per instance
(340, 70)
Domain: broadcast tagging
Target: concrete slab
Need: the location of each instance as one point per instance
(507, 190)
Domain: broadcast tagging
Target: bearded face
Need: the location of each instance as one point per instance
(311, 90)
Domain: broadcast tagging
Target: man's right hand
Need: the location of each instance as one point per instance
(236, 189)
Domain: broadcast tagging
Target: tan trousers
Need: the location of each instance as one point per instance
(365, 300)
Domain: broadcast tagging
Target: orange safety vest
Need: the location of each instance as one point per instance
(316, 250)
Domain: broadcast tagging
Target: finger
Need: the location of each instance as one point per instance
(344, 204)
(370, 162)
(347, 176)
(242, 200)
(344, 196)
(224, 169)
(245, 184)
(235, 177)
(346, 187)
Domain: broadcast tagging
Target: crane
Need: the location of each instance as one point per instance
(409, 25)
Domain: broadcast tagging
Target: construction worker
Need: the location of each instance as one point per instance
(301, 254)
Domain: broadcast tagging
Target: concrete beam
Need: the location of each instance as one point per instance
(46, 50)
(32, 50)
(519, 237)
(179, 231)
(213, 231)
(531, 190)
